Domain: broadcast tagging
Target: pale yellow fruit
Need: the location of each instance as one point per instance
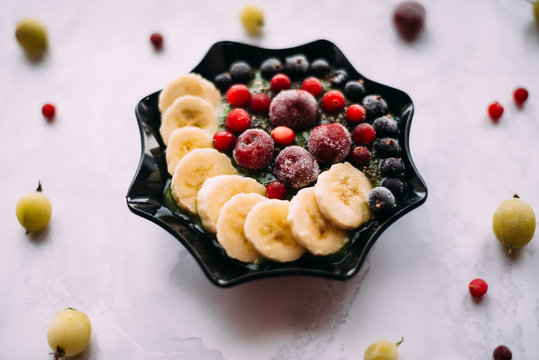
(69, 332)
(252, 18)
(34, 211)
(382, 350)
(32, 36)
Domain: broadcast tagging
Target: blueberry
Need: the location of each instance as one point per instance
(223, 81)
(241, 72)
(391, 167)
(396, 186)
(375, 106)
(354, 90)
(270, 67)
(320, 67)
(380, 200)
(387, 147)
(339, 77)
(296, 66)
(386, 126)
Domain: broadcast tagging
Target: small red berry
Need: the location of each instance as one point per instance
(280, 82)
(312, 85)
(283, 135)
(520, 95)
(360, 155)
(260, 103)
(495, 111)
(157, 41)
(502, 352)
(238, 120)
(356, 113)
(363, 134)
(333, 101)
(478, 287)
(224, 140)
(238, 95)
(276, 190)
(48, 111)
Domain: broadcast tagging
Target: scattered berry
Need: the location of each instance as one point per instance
(296, 109)
(223, 140)
(276, 190)
(363, 134)
(270, 67)
(339, 77)
(238, 95)
(296, 167)
(380, 200)
(223, 82)
(312, 85)
(320, 67)
(260, 103)
(409, 18)
(391, 167)
(283, 135)
(520, 96)
(157, 41)
(32, 37)
(356, 113)
(375, 106)
(386, 126)
(478, 287)
(333, 101)
(48, 111)
(396, 186)
(252, 18)
(387, 147)
(495, 111)
(502, 352)
(382, 350)
(354, 90)
(360, 156)
(329, 143)
(69, 333)
(280, 82)
(254, 149)
(237, 121)
(241, 72)
(34, 210)
(513, 223)
(296, 66)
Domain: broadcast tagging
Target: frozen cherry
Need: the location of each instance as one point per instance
(48, 111)
(238, 95)
(296, 167)
(360, 156)
(296, 109)
(363, 134)
(329, 143)
(254, 149)
(312, 85)
(502, 352)
(223, 140)
(478, 287)
(276, 190)
(283, 135)
(280, 82)
(260, 103)
(495, 111)
(520, 96)
(356, 113)
(375, 106)
(333, 101)
(238, 120)
(157, 41)
(409, 18)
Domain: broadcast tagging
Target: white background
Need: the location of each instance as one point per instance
(145, 295)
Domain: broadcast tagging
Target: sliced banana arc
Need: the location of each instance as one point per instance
(341, 194)
(310, 229)
(266, 227)
(182, 141)
(216, 191)
(230, 232)
(188, 110)
(188, 84)
(191, 172)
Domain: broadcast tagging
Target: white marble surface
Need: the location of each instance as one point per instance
(146, 296)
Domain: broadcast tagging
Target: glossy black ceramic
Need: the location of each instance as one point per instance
(147, 195)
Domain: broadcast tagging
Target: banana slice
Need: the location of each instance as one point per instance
(267, 228)
(193, 170)
(188, 84)
(310, 229)
(216, 191)
(182, 141)
(230, 226)
(341, 194)
(188, 110)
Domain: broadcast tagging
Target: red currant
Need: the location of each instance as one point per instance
(260, 103)
(238, 120)
(478, 287)
(495, 111)
(157, 41)
(502, 352)
(48, 111)
(363, 134)
(520, 95)
(333, 101)
(283, 135)
(356, 113)
(238, 95)
(312, 85)
(360, 155)
(223, 140)
(280, 82)
(276, 190)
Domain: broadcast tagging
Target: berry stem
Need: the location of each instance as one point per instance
(516, 196)
(400, 341)
(39, 188)
(59, 353)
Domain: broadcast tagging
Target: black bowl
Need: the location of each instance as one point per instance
(148, 196)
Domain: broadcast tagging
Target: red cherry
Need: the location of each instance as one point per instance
(48, 111)
(238, 95)
(280, 82)
(312, 85)
(283, 135)
(276, 190)
(333, 101)
(363, 134)
(157, 41)
(238, 120)
(356, 113)
(360, 155)
(520, 95)
(495, 111)
(260, 103)
(223, 140)
(478, 287)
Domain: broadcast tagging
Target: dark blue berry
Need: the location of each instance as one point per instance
(354, 90)
(396, 186)
(338, 78)
(320, 68)
(296, 66)
(380, 200)
(241, 72)
(375, 106)
(223, 82)
(270, 67)
(387, 147)
(386, 126)
(391, 167)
